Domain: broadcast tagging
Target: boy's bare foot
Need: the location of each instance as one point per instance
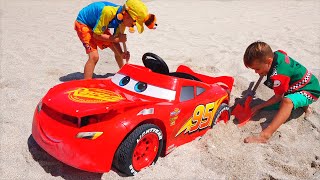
(307, 112)
(261, 138)
(255, 139)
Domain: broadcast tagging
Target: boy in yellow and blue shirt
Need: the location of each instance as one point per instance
(93, 26)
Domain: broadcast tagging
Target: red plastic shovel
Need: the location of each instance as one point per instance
(244, 113)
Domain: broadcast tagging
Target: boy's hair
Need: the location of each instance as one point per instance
(257, 51)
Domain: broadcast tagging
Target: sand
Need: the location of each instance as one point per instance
(40, 49)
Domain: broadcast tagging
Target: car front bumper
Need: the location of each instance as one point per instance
(60, 141)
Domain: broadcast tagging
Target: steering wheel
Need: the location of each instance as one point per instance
(155, 63)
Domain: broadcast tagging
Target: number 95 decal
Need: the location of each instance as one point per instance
(202, 118)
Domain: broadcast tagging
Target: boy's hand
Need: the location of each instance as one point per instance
(126, 56)
(122, 38)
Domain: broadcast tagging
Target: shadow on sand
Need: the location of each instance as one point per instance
(57, 168)
(79, 76)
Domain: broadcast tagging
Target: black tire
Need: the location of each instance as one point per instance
(223, 110)
(124, 156)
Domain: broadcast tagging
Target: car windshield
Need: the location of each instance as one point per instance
(139, 87)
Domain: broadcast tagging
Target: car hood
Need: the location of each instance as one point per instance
(87, 97)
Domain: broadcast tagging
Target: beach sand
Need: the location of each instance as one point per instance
(39, 49)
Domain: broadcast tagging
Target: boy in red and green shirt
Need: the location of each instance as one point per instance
(294, 86)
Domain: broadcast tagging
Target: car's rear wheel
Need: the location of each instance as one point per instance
(223, 114)
(139, 150)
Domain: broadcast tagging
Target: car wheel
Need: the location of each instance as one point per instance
(139, 150)
(223, 114)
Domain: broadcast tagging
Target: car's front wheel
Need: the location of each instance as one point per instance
(139, 150)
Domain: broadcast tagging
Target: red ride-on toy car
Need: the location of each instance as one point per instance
(131, 118)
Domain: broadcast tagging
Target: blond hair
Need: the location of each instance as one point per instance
(257, 51)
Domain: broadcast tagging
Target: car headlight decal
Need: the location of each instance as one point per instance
(89, 135)
(146, 111)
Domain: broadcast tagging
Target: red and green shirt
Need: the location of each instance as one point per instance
(287, 76)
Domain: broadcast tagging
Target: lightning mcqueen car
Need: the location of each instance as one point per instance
(130, 119)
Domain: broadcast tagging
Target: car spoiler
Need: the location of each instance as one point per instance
(221, 80)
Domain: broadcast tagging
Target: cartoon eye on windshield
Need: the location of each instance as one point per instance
(124, 81)
(140, 87)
